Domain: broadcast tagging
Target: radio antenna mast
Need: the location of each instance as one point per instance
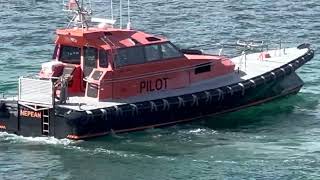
(129, 20)
(120, 14)
(81, 14)
(111, 4)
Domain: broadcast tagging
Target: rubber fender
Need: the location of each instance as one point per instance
(247, 84)
(258, 80)
(236, 88)
(279, 73)
(267, 76)
(303, 46)
(3, 107)
(289, 69)
(75, 118)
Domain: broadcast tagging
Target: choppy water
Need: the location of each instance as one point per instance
(278, 140)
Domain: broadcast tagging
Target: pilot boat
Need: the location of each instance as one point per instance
(104, 80)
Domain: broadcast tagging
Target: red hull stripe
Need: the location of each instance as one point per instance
(75, 137)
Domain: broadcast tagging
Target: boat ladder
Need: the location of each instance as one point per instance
(45, 122)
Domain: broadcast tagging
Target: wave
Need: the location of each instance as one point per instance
(13, 139)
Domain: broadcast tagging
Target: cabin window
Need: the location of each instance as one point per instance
(153, 52)
(103, 59)
(143, 54)
(96, 75)
(202, 68)
(70, 54)
(130, 56)
(90, 55)
(89, 60)
(169, 51)
(54, 55)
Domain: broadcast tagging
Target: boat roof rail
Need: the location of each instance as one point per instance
(103, 20)
(250, 43)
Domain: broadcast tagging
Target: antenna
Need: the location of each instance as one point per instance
(120, 14)
(129, 20)
(111, 4)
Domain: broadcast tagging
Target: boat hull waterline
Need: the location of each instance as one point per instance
(73, 124)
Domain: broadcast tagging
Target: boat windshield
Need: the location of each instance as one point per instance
(70, 54)
(144, 54)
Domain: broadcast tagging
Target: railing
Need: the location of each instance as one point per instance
(240, 46)
(36, 91)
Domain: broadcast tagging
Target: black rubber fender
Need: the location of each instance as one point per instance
(76, 118)
(3, 107)
(303, 46)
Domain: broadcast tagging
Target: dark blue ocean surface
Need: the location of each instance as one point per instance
(278, 140)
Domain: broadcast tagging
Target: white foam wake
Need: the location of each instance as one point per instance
(12, 138)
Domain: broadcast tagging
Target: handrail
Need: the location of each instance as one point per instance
(35, 90)
(241, 43)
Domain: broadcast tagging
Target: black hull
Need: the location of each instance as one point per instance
(66, 123)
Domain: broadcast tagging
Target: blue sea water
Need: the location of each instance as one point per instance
(277, 140)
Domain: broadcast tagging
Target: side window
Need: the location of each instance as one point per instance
(136, 55)
(169, 51)
(152, 52)
(142, 54)
(70, 54)
(129, 56)
(121, 58)
(103, 58)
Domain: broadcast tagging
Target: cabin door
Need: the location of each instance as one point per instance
(89, 60)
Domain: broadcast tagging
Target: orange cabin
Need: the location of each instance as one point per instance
(117, 63)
